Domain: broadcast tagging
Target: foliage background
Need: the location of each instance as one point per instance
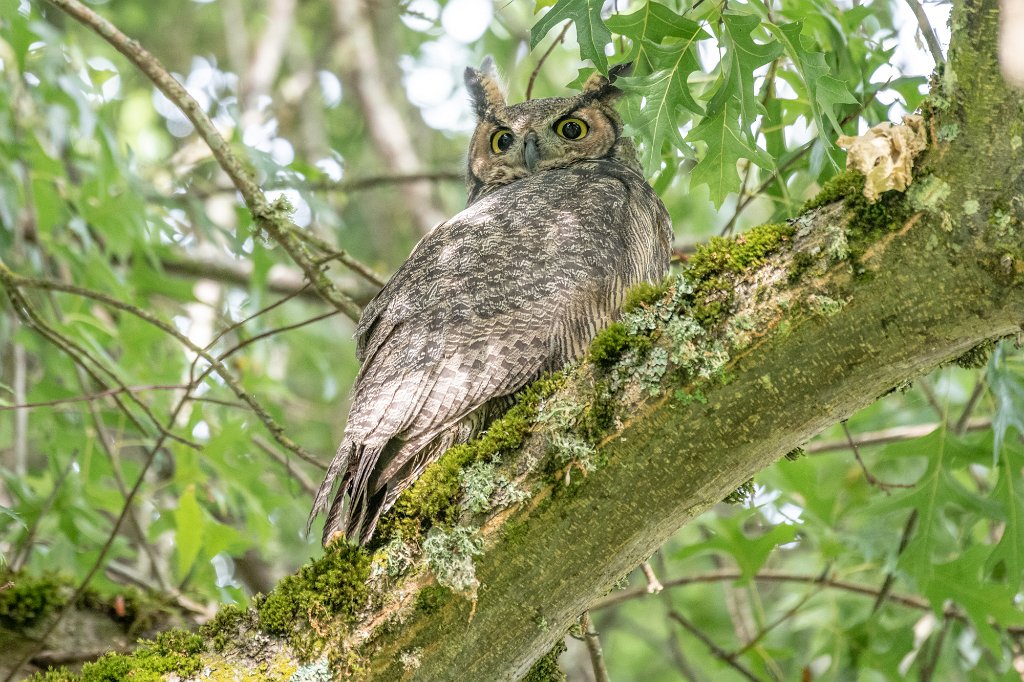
(104, 187)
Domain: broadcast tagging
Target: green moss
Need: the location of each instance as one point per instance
(434, 497)
(710, 313)
(795, 454)
(645, 294)
(61, 674)
(738, 254)
(837, 188)
(29, 599)
(977, 357)
(609, 345)
(546, 668)
(432, 598)
(802, 262)
(174, 651)
(224, 627)
(332, 586)
(741, 494)
(866, 220)
(713, 268)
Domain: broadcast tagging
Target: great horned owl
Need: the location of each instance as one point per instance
(559, 224)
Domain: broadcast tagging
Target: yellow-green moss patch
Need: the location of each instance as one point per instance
(332, 587)
(29, 599)
(433, 498)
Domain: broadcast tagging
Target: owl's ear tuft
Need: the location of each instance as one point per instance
(600, 87)
(485, 89)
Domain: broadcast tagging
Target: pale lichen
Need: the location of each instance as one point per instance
(450, 553)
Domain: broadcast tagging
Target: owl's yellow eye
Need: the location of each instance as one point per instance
(501, 140)
(572, 128)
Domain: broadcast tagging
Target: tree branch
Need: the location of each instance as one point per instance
(269, 217)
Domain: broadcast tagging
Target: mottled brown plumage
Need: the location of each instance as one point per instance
(560, 223)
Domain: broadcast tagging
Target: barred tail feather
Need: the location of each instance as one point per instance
(340, 465)
(352, 507)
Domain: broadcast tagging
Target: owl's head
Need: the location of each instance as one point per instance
(513, 141)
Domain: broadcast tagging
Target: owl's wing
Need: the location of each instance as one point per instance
(511, 286)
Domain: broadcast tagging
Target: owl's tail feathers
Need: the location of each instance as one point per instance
(340, 466)
(353, 511)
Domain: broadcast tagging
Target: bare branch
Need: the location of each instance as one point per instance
(280, 279)
(12, 281)
(544, 58)
(928, 32)
(868, 476)
(593, 642)
(717, 651)
(267, 216)
(360, 63)
(893, 435)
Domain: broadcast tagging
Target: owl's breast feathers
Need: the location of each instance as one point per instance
(516, 284)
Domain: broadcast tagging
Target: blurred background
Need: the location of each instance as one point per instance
(842, 563)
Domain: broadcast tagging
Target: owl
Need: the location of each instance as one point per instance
(560, 223)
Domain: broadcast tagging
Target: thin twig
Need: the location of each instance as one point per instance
(929, 666)
(90, 397)
(717, 651)
(300, 476)
(12, 281)
(653, 584)
(962, 423)
(675, 648)
(930, 38)
(25, 549)
(246, 320)
(890, 577)
(868, 476)
(120, 573)
(769, 576)
(893, 435)
(273, 332)
(367, 182)
(763, 632)
(593, 642)
(544, 58)
(267, 216)
(933, 399)
(281, 279)
(78, 354)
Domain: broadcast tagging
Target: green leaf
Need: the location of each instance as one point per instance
(938, 496)
(824, 92)
(591, 33)
(742, 58)
(962, 581)
(189, 526)
(652, 23)
(750, 553)
(653, 110)
(1008, 556)
(727, 143)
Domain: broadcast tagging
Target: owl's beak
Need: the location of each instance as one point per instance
(531, 154)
